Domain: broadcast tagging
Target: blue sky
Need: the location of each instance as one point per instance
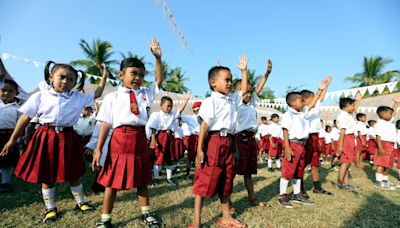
(307, 40)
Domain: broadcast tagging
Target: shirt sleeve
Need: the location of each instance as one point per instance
(207, 111)
(286, 121)
(379, 129)
(31, 106)
(153, 90)
(88, 99)
(237, 98)
(105, 111)
(152, 123)
(254, 99)
(341, 123)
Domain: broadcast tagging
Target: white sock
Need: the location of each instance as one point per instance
(77, 192)
(385, 177)
(169, 172)
(296, 186)
(49, 197)
(278, 163)
(106, 217)
(6, 174)
(378, 176)
(283, 185)
(269, 163)
(156, 171)
(145, 209)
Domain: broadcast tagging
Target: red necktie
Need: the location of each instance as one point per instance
(134, 106)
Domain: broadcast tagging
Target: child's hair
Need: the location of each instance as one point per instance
(334, 122)
(398, 124)
(263, 118)
(345, 101)
(327, 127)
(371, 123)
(360, 115)
(89, 108)
(48, 72)
(273, 116)
(213, 72)
(165, 98)
(291, 97)
(306, 93)
(12, 83)
(383, 109)
(131, 62)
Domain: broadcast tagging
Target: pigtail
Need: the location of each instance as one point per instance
(47, 71)
(82, 80)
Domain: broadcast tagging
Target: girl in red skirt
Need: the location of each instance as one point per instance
(128, 162)
(9, 116)
(54, 152)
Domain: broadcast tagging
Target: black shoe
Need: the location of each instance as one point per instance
(150, 221)
(270, 170)
(84, 207)
(156, 182)
(172, 182)
(322, 191)
(299, 198)
(5, 188)
(106, 224)
(284, 200)
(50, 215)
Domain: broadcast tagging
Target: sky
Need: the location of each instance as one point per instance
(306, 40)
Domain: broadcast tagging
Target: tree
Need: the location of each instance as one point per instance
(98, 53)
(175, 81)
(267, 93)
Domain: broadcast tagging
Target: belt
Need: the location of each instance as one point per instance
(6, 131)
(248, 135)
(57, 128)
(220, 133)
(299, 141)
(166, 131)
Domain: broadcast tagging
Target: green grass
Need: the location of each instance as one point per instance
(369, 207)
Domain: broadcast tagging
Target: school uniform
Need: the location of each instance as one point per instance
(313, 147)
(328, 143)
(245, 128)
(93, 142)
(9, 117)
(162, 122)
(178, 133)
(84, 128)
(218, 171)
(128, 163)
(191, 129)
(54, 152)
(388, 134)
(321, 140)
(276, 134)
(298, 128)
(346, 121)
(263, 143)
(335, 134)
(362, 131)
(372, 148)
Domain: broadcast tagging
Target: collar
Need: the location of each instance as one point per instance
(346, 113)
(220, 96)
(8, 104)
(162, 113)
(123, 89)
(64, 94)
(294, 110)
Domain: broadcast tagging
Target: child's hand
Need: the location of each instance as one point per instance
(323, 85)
(358, 96)
(288, 153)
(155, 48)
(340, 151)
(381, 153)
(396, 98)
(242, 63)
(7, 148)
(329, 79)
(269, 67)
(188, 95)
(96, 160)
(105, 72)
(153, 143)
(199, 158)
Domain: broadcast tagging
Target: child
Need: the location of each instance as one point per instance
(361, 143)
(335, 134)
(178, 133)
(321, 141)
(215, 161)
(371, 143)
(346, 147)
(128, 163)
(191, 129)
(295, 133)
(328, 142)
(275, 134)
(54, 153)
(245, 128)
(386, 137)
(313, 146)
(162, 140)
(263, 143)
(9, 117)
(84, 128)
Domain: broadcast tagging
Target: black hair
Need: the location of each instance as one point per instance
(131, 62)
(371, 122)
(398, 124)
(345, 101)
(291, 97)
(263, 118)
(12, 83)
(274, 116)
(56, 66)
(165, 98)
(383, 109)
(213, 72)
(360, 115)
(306, 93)
(334, 122)
(327, 127)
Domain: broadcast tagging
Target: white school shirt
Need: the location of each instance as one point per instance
(328, 137)
(116, 110)
(335, 134)
(178, 132)
(219, 111)
(362, 128)
(186, 129)
(322, 133)
(263, 129)
(314, 119)
(296, 124)
(161, 121)
(386, 130)
(247, 114)
(192, 124)
(371, 133)
(346, 121)
(275, 130)
(60, 109)
(9, 115)
(398, 138)
(93, 142)
(85, 126)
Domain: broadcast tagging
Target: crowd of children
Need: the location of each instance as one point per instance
(128, 145)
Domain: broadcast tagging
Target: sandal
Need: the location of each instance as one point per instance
(231, 223)
(84, 207)
(150, 221)
(50, 215)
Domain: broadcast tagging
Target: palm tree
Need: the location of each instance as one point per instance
(267, 93)
(97, 54)
(372, 73)
(175, 81)
(251, 78)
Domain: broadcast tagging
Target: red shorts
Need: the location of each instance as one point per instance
(313, 151)
(349, 149)
(335, 145)
(372, 147)
(247, 148)
(165, 150)
(263, 143)
(396, 152)
(277, 152)
(218, 172)
(321, 142)
(52, 157)
(359, 146)
(295, 167)
(328, 149)
(387, 159)
(11, 159)
(128, 163)
(179, 149)
(191, 146)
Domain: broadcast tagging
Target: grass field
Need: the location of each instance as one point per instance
(369, 207)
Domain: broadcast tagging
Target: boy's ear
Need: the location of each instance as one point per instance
(120, 73)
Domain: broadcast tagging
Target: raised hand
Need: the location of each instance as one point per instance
(155, 48)
(105, 72)
(242, 63)
(269, 66)
(396, 98)
(324, 84)
(358, 96)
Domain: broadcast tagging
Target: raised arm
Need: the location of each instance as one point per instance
(323, 93)
(396, 100)
(102, 84)
(358, 101)
(156, 51)
(243, 68)
(322, 86)
(183, 105)
(264, 78)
